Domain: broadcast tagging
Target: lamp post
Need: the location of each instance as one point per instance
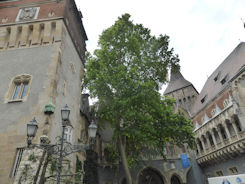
(65, 112)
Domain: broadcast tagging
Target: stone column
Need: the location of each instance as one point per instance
(234, 127)
(208, 141)
(227, 131)
(203, 145)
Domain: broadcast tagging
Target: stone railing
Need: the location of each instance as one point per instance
(235, 145)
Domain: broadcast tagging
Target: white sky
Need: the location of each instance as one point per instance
(202, 32)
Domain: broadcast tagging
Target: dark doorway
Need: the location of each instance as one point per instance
(150, 176)
(124, 181)
(175, 180)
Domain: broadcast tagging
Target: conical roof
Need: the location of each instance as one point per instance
(177, 81)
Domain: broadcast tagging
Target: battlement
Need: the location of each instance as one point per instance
(20, 23)
(30, 34)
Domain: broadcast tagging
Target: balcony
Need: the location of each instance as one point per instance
(221, 138)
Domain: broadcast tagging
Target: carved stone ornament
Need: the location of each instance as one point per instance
(4, 20)
(27, 14)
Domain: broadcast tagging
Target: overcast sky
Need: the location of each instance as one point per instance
(202, 32)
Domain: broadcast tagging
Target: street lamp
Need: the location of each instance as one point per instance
(31, 130)
(65, 112)
(92, 129)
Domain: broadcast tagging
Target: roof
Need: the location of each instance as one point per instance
(177, 81)
(220, 78)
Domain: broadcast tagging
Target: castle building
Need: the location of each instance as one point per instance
(218, 117)
(42, 49)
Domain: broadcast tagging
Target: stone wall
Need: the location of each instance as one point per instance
(56, 69)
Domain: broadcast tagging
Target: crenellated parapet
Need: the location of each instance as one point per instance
(30, 34)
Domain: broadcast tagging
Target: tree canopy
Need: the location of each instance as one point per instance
(126, 73)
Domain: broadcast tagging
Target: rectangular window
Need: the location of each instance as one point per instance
(19, 88)
(17, 161)
(219, 173)
(16, 91)
(233, 170)
(68, 134)
(20, 91)
(24, 90)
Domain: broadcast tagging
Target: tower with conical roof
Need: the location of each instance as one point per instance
(183, 91)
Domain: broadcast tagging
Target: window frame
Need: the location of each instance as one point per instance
(231, 172)
(24, 83)
(219, 171)
(68, 134)
(17, 161)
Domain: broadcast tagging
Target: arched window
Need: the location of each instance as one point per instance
(19, 88)
(237, 123)
(223, 133)
(216, 136)
(200, 144)
(230, 128)
(210, 139)
(175, 180)
(150, 176)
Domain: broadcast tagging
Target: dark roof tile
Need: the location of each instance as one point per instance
(225, 72)
(177, 81)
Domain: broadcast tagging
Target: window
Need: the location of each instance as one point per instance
(203, 99)
(216, 77)
(68, 134)
(19, 88)
(219, 173)
(17, 160)
(233, 170)
(223, 81)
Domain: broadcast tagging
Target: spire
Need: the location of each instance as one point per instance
(177, 81)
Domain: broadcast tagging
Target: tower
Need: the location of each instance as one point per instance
(183, 91)
(42, 48)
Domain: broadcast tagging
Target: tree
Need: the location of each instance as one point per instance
(126, 74)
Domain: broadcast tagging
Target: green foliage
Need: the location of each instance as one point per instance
(53, 166)
(112, 154)
(126, 74)
(79, 170)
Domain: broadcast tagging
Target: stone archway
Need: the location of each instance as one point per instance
(175, 180)
(150, 176)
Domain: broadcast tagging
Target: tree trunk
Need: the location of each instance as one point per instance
(124, 161)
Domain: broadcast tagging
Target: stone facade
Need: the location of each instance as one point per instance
(218, 117)
(38, 43)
